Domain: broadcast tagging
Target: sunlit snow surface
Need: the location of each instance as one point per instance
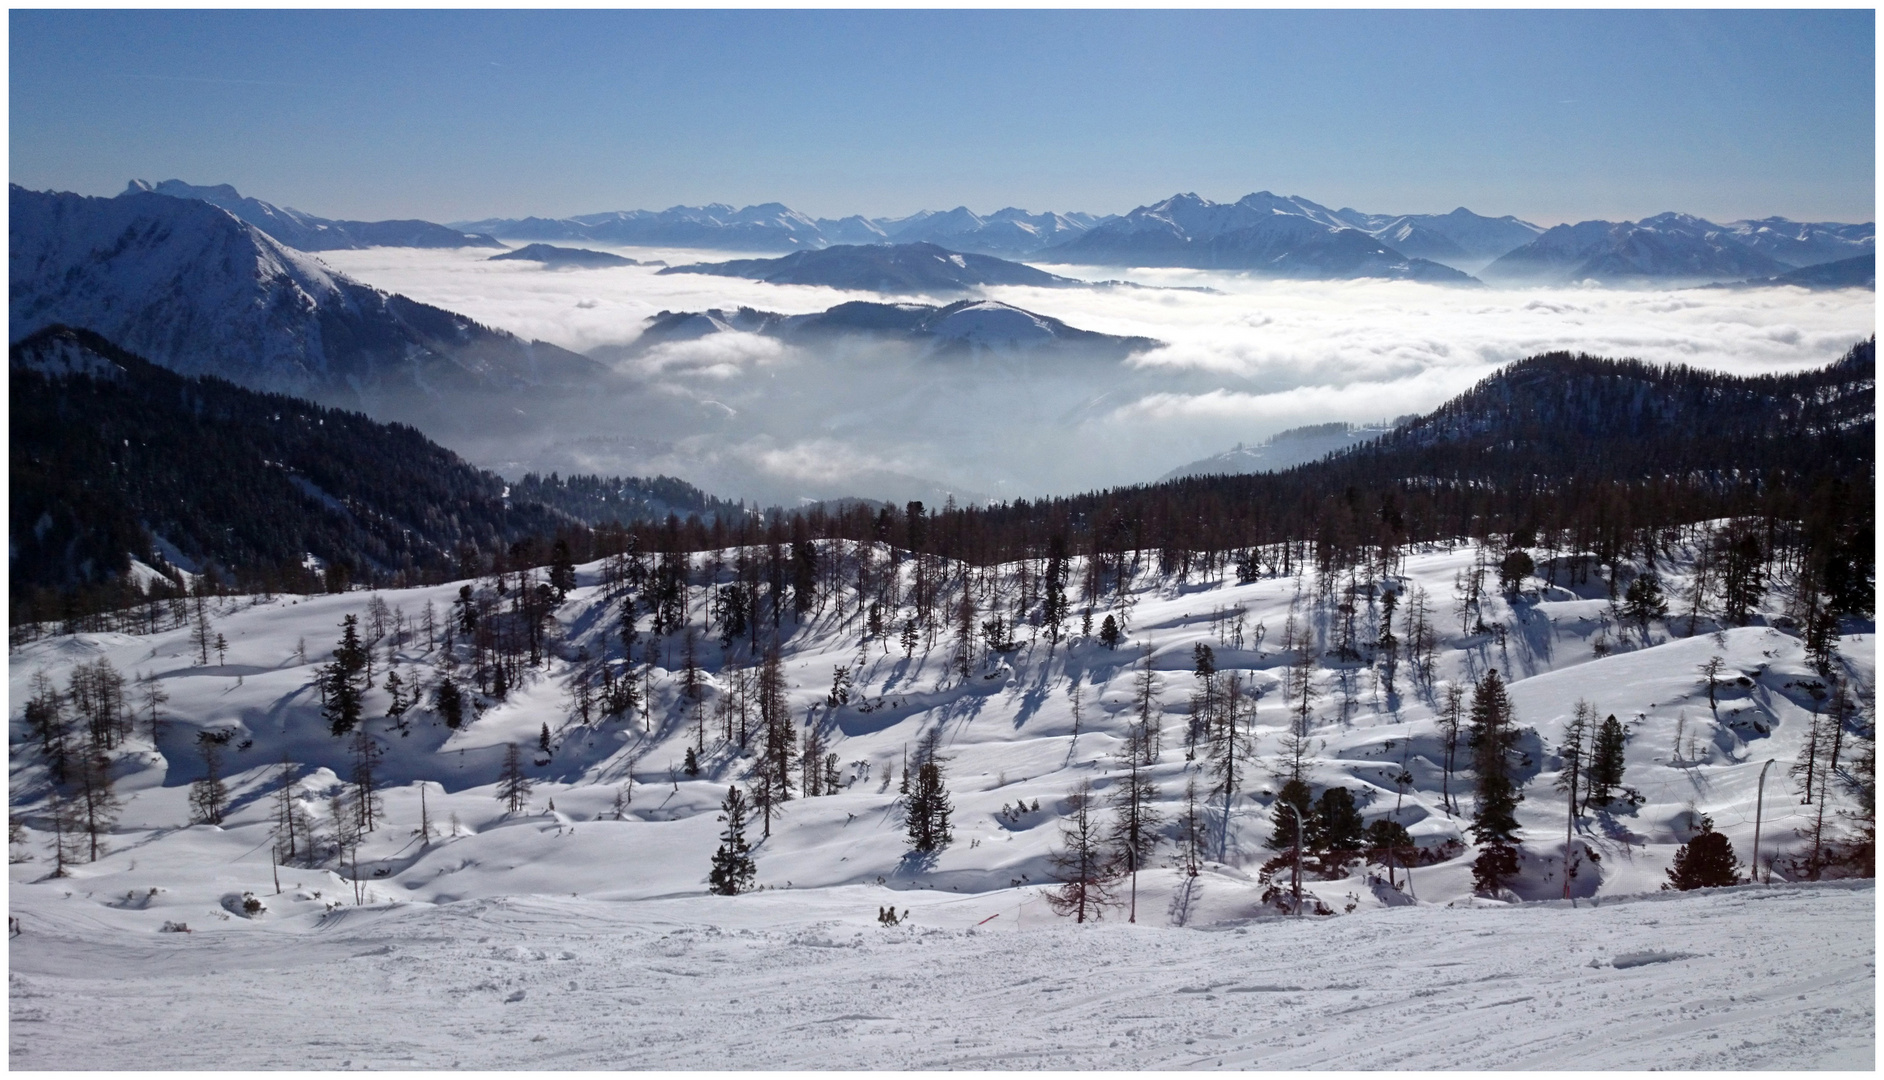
(1749, 978)
(603, 928)
(743, 415)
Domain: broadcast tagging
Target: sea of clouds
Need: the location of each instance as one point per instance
(1242, 358)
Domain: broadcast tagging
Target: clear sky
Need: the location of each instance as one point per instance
(1552, 116)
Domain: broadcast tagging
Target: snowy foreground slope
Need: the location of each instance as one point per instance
(614, 875)
(1755, 977)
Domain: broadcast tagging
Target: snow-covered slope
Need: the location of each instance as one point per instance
(617, 832)
(1750, 978)
(596, 887)
(189, 286)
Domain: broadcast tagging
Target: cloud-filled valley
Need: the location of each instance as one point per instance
(1242, 358)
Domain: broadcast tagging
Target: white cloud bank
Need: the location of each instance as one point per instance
(746, 416)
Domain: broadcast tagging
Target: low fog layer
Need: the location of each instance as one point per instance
(746, 416)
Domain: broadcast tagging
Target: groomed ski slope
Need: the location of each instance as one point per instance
(802, 954)
(1751, 978)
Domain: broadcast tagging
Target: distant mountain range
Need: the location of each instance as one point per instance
(921, 268)
(556, 258)
(1285, 449)
(1677, 247)
(1285, 237)
(964, 328)
(188, 285)
(776, 227)
(305, 232)
(1857, 272)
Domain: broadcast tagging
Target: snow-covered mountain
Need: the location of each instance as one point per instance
(191, 287)
(1266, 233)
(1285, 449)
(305, 232)
(1676, 248)
(1010, 232)
(1805, 243)
(966, 327)
(893, 268)
(556, 258)
(764, 227)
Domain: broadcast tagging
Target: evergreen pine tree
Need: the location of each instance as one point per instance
(691, 766)
(1494, 817)
(341, 680)
(1707, 861)
(1335, 831)
(926, 813)
(450, 704)
(733, 869)
(1109, 634)
(1606, 760)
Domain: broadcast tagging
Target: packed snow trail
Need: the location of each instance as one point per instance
(1746, 978)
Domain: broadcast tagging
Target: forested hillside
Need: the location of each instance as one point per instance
(114, 458)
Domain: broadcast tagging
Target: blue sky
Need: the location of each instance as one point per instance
(1552, 116)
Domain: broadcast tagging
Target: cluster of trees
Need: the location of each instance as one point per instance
(246, 483)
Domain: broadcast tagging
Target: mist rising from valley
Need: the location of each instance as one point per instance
(1241, 358)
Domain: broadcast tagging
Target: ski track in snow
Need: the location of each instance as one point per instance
(1765, 977)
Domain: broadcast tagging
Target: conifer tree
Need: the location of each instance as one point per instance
(1335, 830)
(1292, 812)
(1451, 721)
(1145, 686)
(1606, 760)
(513, 788)
(1494, 817)
(778, 751)
(1109, 634)
(341, 680)
(1230, 750)
(1086, 874)
(1643, 601)
(1135, 817)
(365, 776)
(1707, 861)
(450, 704)
(208, 795)
(1575, 751)
(691, 765)
(1191, 836)
(733, 869)
(926, 813)
(94, 797)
